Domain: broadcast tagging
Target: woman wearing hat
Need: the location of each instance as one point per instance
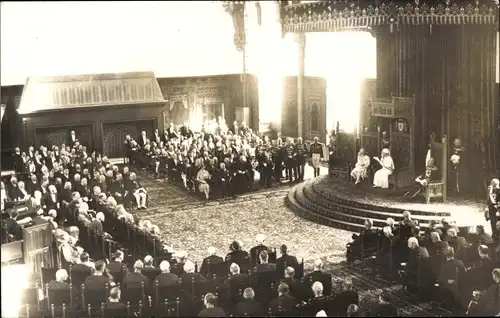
(381, 178)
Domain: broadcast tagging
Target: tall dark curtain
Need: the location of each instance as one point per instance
(451, 71)
(12, 134)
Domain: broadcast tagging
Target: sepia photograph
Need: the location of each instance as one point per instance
(250, 158)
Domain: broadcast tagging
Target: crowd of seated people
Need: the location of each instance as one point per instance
(76, 192)
(235, 285)
(218, 162)
(444, 262)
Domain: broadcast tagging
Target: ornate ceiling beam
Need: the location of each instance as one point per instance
(237, 11)
(329, 16)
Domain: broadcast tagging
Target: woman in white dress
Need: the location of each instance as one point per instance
(381, 178)
(360, 169)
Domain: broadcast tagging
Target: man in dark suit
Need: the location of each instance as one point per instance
(284, 302)
(317, 275)
(285, 261)
(318, 302)
(264, 266)
(190, 275)
(238, 256)
(416, 270)
(113, 307)
(166, 278)
(33, 185)
(13, 228)
(479, 276)
(345, 298)
(60, 282)
(149, 270)
(297, 289)
(255, 251)
(436, 248)
(451, 278)
(18, 161)
(116, 267)
(248, 306)
(79, 272)
(212, 259)
(135, 279)
(142, 139)
(384, 308)
(72, 140)
(458, 243)
(97, 280)
(211, 309)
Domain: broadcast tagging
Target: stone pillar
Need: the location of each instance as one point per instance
(301, 40)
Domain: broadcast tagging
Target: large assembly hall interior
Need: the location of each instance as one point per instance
(250, 159)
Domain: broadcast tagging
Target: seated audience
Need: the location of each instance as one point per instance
(97, 280)
(345, 298)
(134, 279)
(211, 309)
(212, 259)
(116, 268)
(451, 278)
(166, 278)
(318, 275)
(113, 307)
(189, 273)
(284, 302)
(285, 261)
(248, 306)
(384, 308)
(255, 251)
(353, 311)
(264, 264)
(60, 282)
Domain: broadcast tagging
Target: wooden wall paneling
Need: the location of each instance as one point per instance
(58, 135)
(113, 134)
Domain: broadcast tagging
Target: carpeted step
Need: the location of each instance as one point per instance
(333, 212)
(321, 187)
(303, 212)
(352, 210)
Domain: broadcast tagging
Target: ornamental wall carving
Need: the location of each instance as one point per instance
(326, 16)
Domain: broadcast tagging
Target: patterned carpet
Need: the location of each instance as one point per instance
(192, 225)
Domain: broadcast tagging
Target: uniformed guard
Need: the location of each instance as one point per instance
(300, 159)
(289, 154)
(316, 153)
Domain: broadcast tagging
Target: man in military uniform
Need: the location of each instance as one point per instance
(316, 154)
(276, 158)
(300, 159)
(289, 158)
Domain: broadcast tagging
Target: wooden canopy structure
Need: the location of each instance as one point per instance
(52, 93)
(102, 109)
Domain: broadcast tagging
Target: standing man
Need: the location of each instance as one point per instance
(316, 153)
(290, 154)
(300, 159)
(491, 213)
(276, 157)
